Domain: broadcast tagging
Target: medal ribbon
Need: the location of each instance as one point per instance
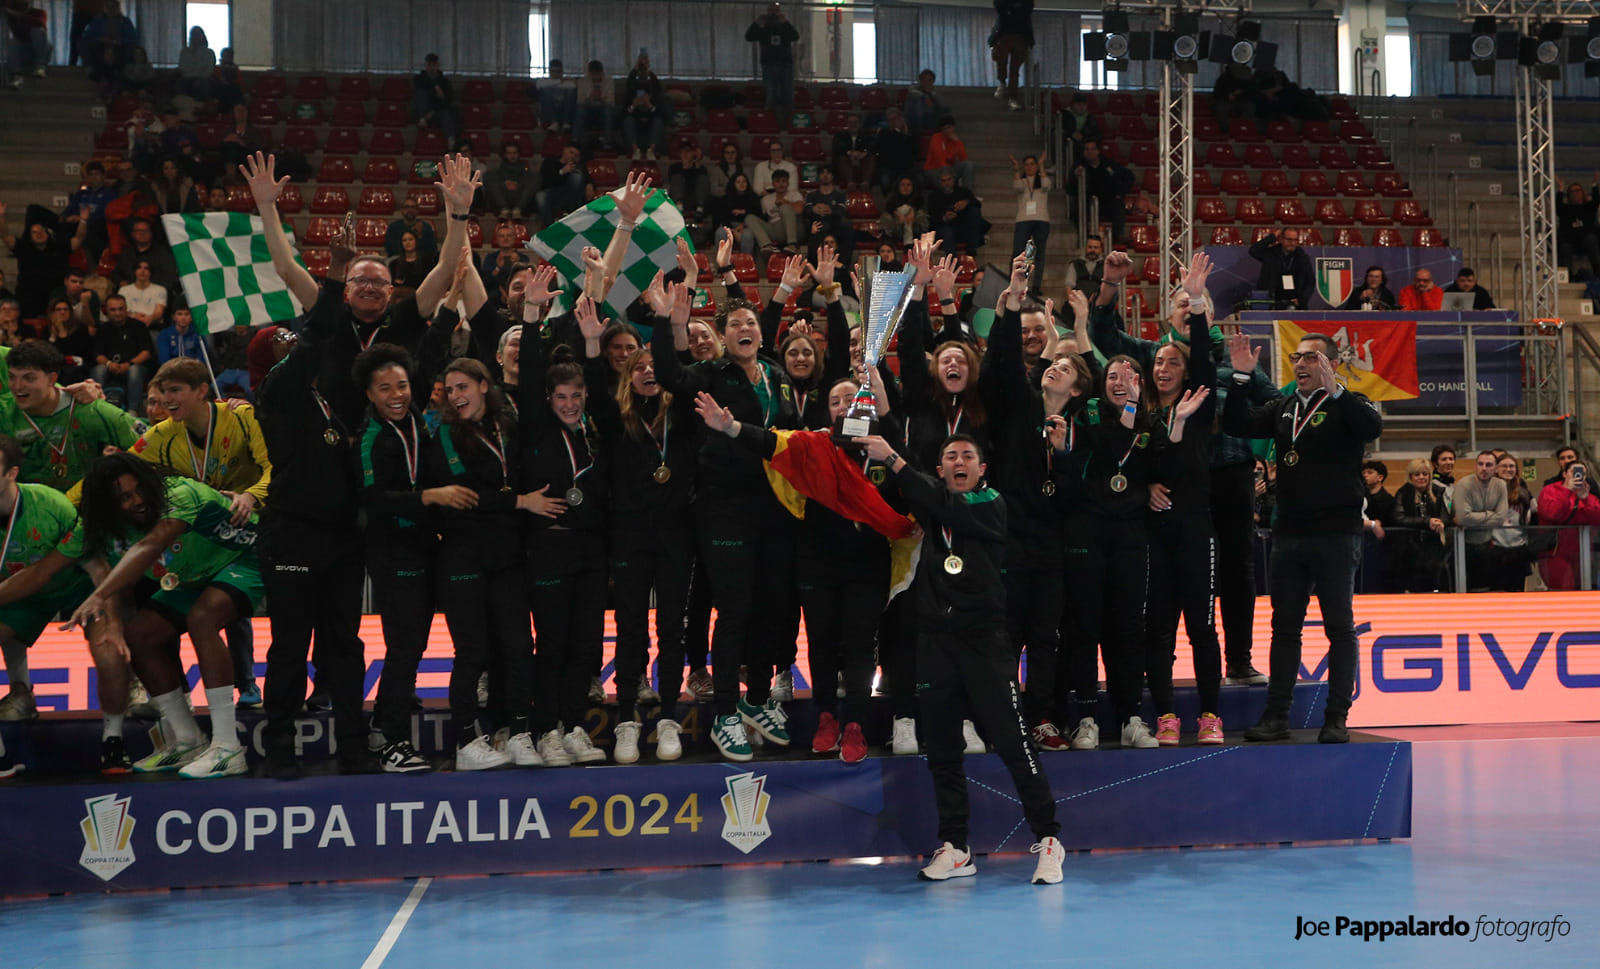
(205, 457)
(16, 512)
(412, 447)
(572, 456)
(951, 425)
(1298, 425)
(499, 452)
(60, 452)
(949, 536)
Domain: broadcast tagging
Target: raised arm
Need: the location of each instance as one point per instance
(260, 173)
(457, 184)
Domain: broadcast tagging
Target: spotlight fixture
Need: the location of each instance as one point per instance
(1241, 53)
(1542, 52)
(1184, 44)
(1112, 43)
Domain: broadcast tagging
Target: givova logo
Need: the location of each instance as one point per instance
(107, 834)
(744, 810)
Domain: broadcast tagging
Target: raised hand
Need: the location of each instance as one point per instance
(1194, 280)
(655, 296)
(543, 288)
(1078, 302)
(717, 417)
(1326, 374)
(944, 277)
(1241, 355)
(260, 173)
(921, 258)
(827, 258)
(458, 183)
(635, 192)
(691, 269)
(794, 270)
(588, 317)
(343, 243)
(682, 302)
(725, 251)
(1191, 401)
(1117, 267)
(594, 268)
(1019, 282)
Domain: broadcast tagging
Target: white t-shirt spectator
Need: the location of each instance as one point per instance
(762, 179)
(144, 304)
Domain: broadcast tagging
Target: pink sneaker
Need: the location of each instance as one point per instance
(1210, 729)
(826, 739)
(1167, 729)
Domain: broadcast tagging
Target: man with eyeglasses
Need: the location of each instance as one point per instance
(1320, 432)
(1422, 296)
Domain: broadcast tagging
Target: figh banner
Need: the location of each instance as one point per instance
(1377, 358)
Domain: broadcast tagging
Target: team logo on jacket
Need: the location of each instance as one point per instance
(744, 810)
(1336, 279)
(107, 835)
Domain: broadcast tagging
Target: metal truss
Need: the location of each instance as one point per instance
(1536, 199)
(1175, 228)
(1568, 11)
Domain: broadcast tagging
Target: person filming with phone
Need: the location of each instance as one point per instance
(1569, 501)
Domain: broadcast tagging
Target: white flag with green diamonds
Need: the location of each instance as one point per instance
(227, 273)
(653, 248)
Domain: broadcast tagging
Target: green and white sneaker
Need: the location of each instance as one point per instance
(171, 757)
(768, 720)
(216, 761)
(729, 736)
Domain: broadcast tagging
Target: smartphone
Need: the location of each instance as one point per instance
(1029, 253)
(350, 226)
(1579, 473)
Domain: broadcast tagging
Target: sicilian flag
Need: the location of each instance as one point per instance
(1377, 358)
(806, 465)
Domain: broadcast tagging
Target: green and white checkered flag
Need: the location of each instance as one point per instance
(227, 272)
(653, 248)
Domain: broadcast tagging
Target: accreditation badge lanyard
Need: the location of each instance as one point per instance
(498, 448)
(16, 512)
(60, 453)
(205, 456)
(411, 446)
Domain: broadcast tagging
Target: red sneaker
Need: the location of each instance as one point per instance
(1047, 737)
(853, 750)
(826, 740)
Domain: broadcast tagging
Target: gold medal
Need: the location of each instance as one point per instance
(1048, 488)
(60, 470)
(331, 435)
(169, 581)
(662, 474)
(953, 564)
(574, 497)
(1292, 458)
(505, 489)
(1119, 482)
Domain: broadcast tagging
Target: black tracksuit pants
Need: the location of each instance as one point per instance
(312, 574)
(897, 654)
(976, 670)
(697, 631)
(1183, 559)
(747, 546)
(567, 590)
(404, 594)
(1233, 499)
(843, 602)
(650, 556)
(1108, 577)
(1034, 600)
(486, 609)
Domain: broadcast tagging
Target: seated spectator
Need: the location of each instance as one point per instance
(1467, 282)
(85, 302)
(688, 182)
(956, 216)
(947, 152)
(642, 78)
(181, 339)
(1421, 296)
(1107, 183)
(412, 266)
(509, 186)
(242, 138)
(1479, 503)
(227, 88)
(903, 218)
(1078, 124)
(565, 182)
(105, 43)
(1377, 508)
(558, 98)
(894, 150)
(12, 330)
(174, 132)
(28, 42)
(216, 199)
(411, 221)
(502, 260)
(782, 204)
(852, 157)
(1420, 558)
(433, 100)
(173, 190)
(761, 180)
(73, 339)
(123, 355)
(196, 64)
(42, 255)
(721, 172)
(923, 105)
(1233, 97)
(142, 245)
(737, 212)
(644, 129)
(138, 75)
(1569, 502)
(1578, 231)
(825, 214)
(147, 302)
(597, 105)
(1510, 538)
(1285, 269)
(1373, 293)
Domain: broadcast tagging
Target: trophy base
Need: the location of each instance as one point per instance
(851, 428)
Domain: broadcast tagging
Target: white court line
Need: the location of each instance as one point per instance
(397, 925)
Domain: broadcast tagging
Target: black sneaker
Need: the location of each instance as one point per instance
(1273, 726)
(8, 767)
(114, 757)
(401, 758)
(1244, 676)
(318, 702)
(1333, 730)
(358, 761)
(281, 767)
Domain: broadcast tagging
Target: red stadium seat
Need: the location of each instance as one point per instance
(1298, 156)
(1150, 182)
(1388, 238)
(1121, 103)
(370, 232)
(1222, 156)
(648, 168)
(302, 138)
(1354, 133)
(838, 122)
(834, 97)
(475, 233)
(330, 201)
(1427, 237)
(1282, 132)
(1276, 182)
(353, 88)
(1352, 185)
(860, 205)
(802, 98)
(317, 261)
(477, 90)
(1340, 106)
(1391, 186)
(744, 267)
(1260, 232)
(1311, 236)
(392, 114)
(603, 173)
(518, 117)
(381, 171)
(1349, 237)
(321, 230)
(806, 148)
(1207, 129)
(1150, 270)
(270, 86)
(1236, 181)
(289, 200)
(775, 264)
(1291, 212)
(1132, 128)
(722, 121)
(1331, 212)
(1317, 133)
(1257, 156)
(352, 113)
(427, 200)
(337, 169)
(1410, 212)
(1336, 158)
(1315, 184)
(1203, 184)
(387, 141)
(1144, 238)
(240, 200)
(1370, 212)
(874, 99)
(966, 270)
(759, 122)
(1132, 215)
(1370, 158)
(1243, 130)
(479, 117)
(1226, 235)
(430, 144)
(1211, 210)
(375, 201)
(265, 112)
(341, 141)
(1252, 211)
(313, 87)
(395, 89)
(1144, 154)
(479, 140)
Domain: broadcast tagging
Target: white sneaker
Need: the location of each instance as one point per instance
(174, 755)
(668, 746)
(480, 755)
(627, 748)
(1014, 105)
(647, 693)
(999, 91)
(552, 751)
(1136, 733)
(1087, 736)
(904, 740)
(580, 748)
(969, 733)
(783, 687)
(521, 750)
(1048, 870)
(215, 761)
(597, 692)
(947, 863)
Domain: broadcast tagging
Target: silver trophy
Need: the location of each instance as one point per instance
(884, 299)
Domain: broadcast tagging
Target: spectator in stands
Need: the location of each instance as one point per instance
(1083, 273)
(737, 212)
(1379, 508)
(775, 37)
(83, 11)
(1571, 502)
(1467, 282)
(42, 255)
(142, 245)
(1578, 231)
(123, 354)
(94, 194)
(947, 152)
(105, 44)
(138, 75)
(642, 78)
(242, 138)
(227, 88)
(852, 157)
(1108, 184)
(782, 204)
(29, 44)
(597, 105)
(643, 127)
(825, 214)
(1032, 186)
(1285, 270)
(1420, 559)
(558, 98)
(1565, 455)
(230, 359)
(1510, 538)
(956, 216)
(173, 190)
(502, 260)
(889, 260)
(904, 218)
(147, 302)
(196, 64)
(12, 330)
(85, 302)
(761, 181)
(175, 133)
(181, 339)
(565, 181)
(1443, 460)
(1009, 44)
(1479, 504)
(509, 186)
(895, 151)
(74, 340)
(412, 266)
(923, 105)
(411, 221)
(722, 171)
(1077, 123)
(216, 199)
(1233, 97)
(433, 99)
(688, 182)
(1373, 294)
(1421, 296)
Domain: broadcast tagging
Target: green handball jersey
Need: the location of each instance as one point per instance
(210, 545)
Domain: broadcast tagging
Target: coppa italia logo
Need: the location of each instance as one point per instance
(744, 810)
(107, 833)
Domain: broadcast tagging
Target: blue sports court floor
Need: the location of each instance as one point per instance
(1506, 821)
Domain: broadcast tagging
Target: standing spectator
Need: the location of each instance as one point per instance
(1480, 504)
(1285, 270)
(42, 255)
(1419, 561)
(1511, 537)
(1374, 293)
(1033, 210)
(558, 98)
(564, 180)
(509, 187)
(825, 214)
(1009, 44)
(83, 11)
(147, 302)
(852, 156)
(1378, 509)
(1578, 230)
(502, 261)
(894, 150)
(433, 100)
(721, 172)
(227, 88)
(1233, 97)
(956, 216)
(688, 182)
(196, 64)
(904, 218)
(947, 152)
(1565, 455)
(761, 181)
(1107, 183)
(181, 339)
(1421, 296)
(1467, 282)
(105, 43)
(1084, 273)
(28, 43)
(924, 105)
(1443, 460)
(775, 38)
(411, 221)
(1570, 502)
(123, 354)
